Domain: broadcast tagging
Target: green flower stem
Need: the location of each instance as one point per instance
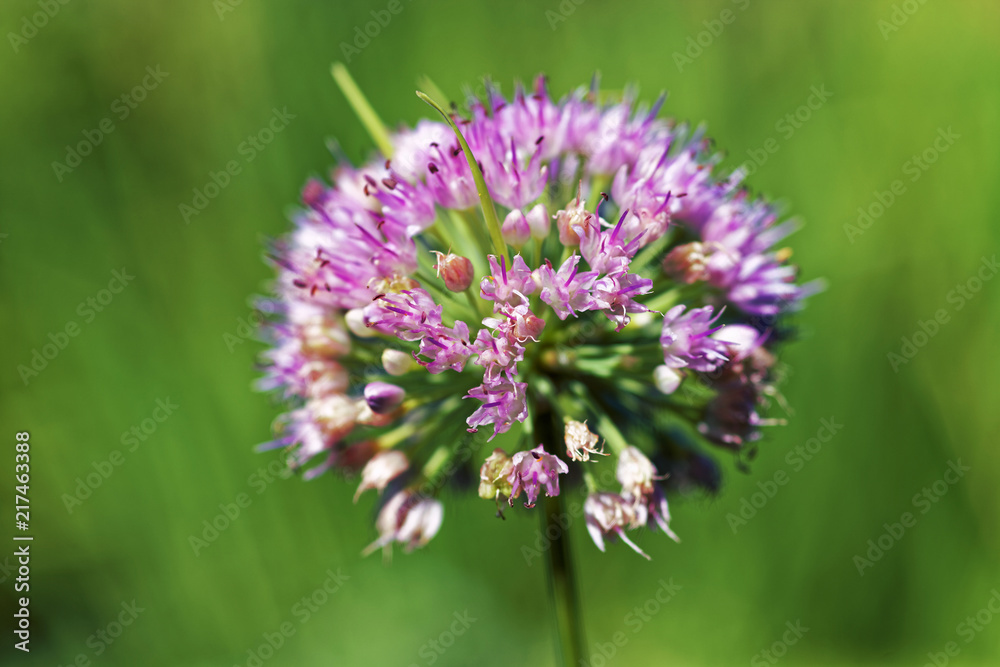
(366, 114)
(598, 184)
(605, 426)
(485, 200)
(650, 252)
(664, 301)
(562, 579)
(478, 305)
(465, 246)
(611, 434)
(396, 436)
(436, 462)
(439, 235)
(537, 257)
(470, 221)
(604, 351)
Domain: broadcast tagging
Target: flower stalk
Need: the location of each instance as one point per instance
(561, 574)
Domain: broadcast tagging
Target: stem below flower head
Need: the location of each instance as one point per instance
(562, 579)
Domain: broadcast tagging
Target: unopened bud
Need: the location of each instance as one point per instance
(355, 319)
(397, 362)
(516, 230)
(383, 397)
(666, 379)
(539, 221)
(574, 215)
(455, 270)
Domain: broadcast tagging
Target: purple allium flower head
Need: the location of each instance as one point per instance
(396, 362)
(516, 230)
(534, 471)
(657, 287)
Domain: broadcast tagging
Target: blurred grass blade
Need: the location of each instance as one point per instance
(373, 124)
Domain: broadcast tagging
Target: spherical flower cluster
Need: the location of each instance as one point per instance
(628, 284)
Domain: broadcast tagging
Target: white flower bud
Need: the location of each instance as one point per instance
(666, 379)
(355, 319)
(397, 362)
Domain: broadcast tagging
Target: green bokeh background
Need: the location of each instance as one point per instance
(164, 335)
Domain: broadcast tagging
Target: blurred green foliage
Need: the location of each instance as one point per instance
(164, 335)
